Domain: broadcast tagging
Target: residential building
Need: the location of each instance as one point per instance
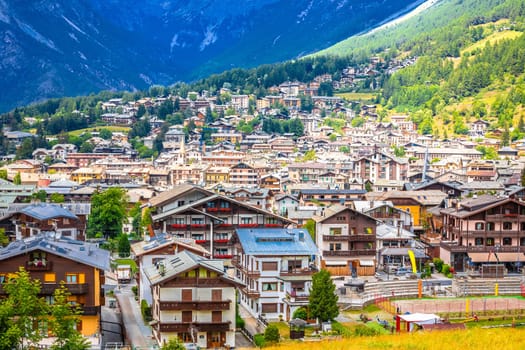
(276, 266)
(148, 253)
(193, 300)
(484, 230)
(51, 260)
(209, 218)
(347, 241)
(243, 174)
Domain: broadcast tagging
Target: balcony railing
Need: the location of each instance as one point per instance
(335, 238)
(362, 238)
(248, 225)
(222, 240)
(195, 305)
(295, 297)
(251, 293)
(74, 288)
(183, 327)
(454, 247)
(90, 310)
(201, 241)
(224, 225)
(358, 252)
(198, 226)
(212, 209)
(179, 226)
(222, 256)
(39, 265)
(225, 210)
(298, 272)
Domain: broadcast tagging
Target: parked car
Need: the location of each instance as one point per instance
(402, 271)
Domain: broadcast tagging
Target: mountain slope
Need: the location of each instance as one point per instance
(61, 48)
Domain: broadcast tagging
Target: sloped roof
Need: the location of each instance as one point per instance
(276, 241)
(184, 261)
(46, 211)
(143, 247)
(82, 252)
(175, 192)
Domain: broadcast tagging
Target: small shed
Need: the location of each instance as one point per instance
(297, 326)
(418, 319)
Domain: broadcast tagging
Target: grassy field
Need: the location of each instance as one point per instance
(470, 339)
(130, 262)
(111, 128)
(492, 39)
(356, 96)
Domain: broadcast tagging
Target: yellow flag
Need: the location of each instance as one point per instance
(412, 260)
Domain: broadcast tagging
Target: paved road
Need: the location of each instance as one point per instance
(137, 333)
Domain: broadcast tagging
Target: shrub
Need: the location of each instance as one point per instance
(239, 322)
(145, 309)
(445, 269)
(135, 290)
(300, 313)
(259, 340)
(364, 331)
(438, 264)
(271, 334)
(341, 330)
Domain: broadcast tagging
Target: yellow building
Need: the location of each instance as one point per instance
(217, 174)
(83, 175)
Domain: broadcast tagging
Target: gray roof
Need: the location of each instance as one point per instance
(181, 262)
(82, 252)
(46, 211)
(276, 241)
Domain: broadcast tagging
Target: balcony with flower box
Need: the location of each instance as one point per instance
(183, 327)
(248, 225)
(212, 209)
(39, 265)
(223, 256)
(221, 241)
(179, 226)
(198, 226)
(225, 210)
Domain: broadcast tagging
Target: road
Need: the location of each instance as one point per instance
(137, 333)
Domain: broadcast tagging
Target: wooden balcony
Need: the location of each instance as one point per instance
(74, 288)
(298, 272)
(183, 327)
(90, 310)
(294, 297)
(453, 247)
(248, 225)
(39, 266)
(198, 227)
(179, 226)
(350, 253)
(251, 293)
(196, 305)
(362, 238)
(335, 238)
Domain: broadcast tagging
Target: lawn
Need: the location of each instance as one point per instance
(130, 262)
(492, 39)
(112, 128)
(356, 96)
(470, 339)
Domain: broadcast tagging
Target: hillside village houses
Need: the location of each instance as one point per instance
(230, 212)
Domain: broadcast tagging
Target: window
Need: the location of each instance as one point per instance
(268, 287)
(180, 203)
(335, 246)
(65, 221)
(203, 273)
(335, 231)
(3, 278)
(507, 225)
(522, 241)
(507, 241)
(480, 226)
(478, 241)
(75, 278)
(368, 230)
(268, 308)
(50, 299)
(186, 316)
(490, 226)
(490, 241)
(246, 220)
(187, 295)
(50, 278)
(216, 316)
(340, 218)
(269, 266)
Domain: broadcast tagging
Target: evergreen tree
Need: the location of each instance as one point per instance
(124, 247)
(323, 300)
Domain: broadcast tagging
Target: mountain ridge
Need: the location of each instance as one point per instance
(58, 48)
